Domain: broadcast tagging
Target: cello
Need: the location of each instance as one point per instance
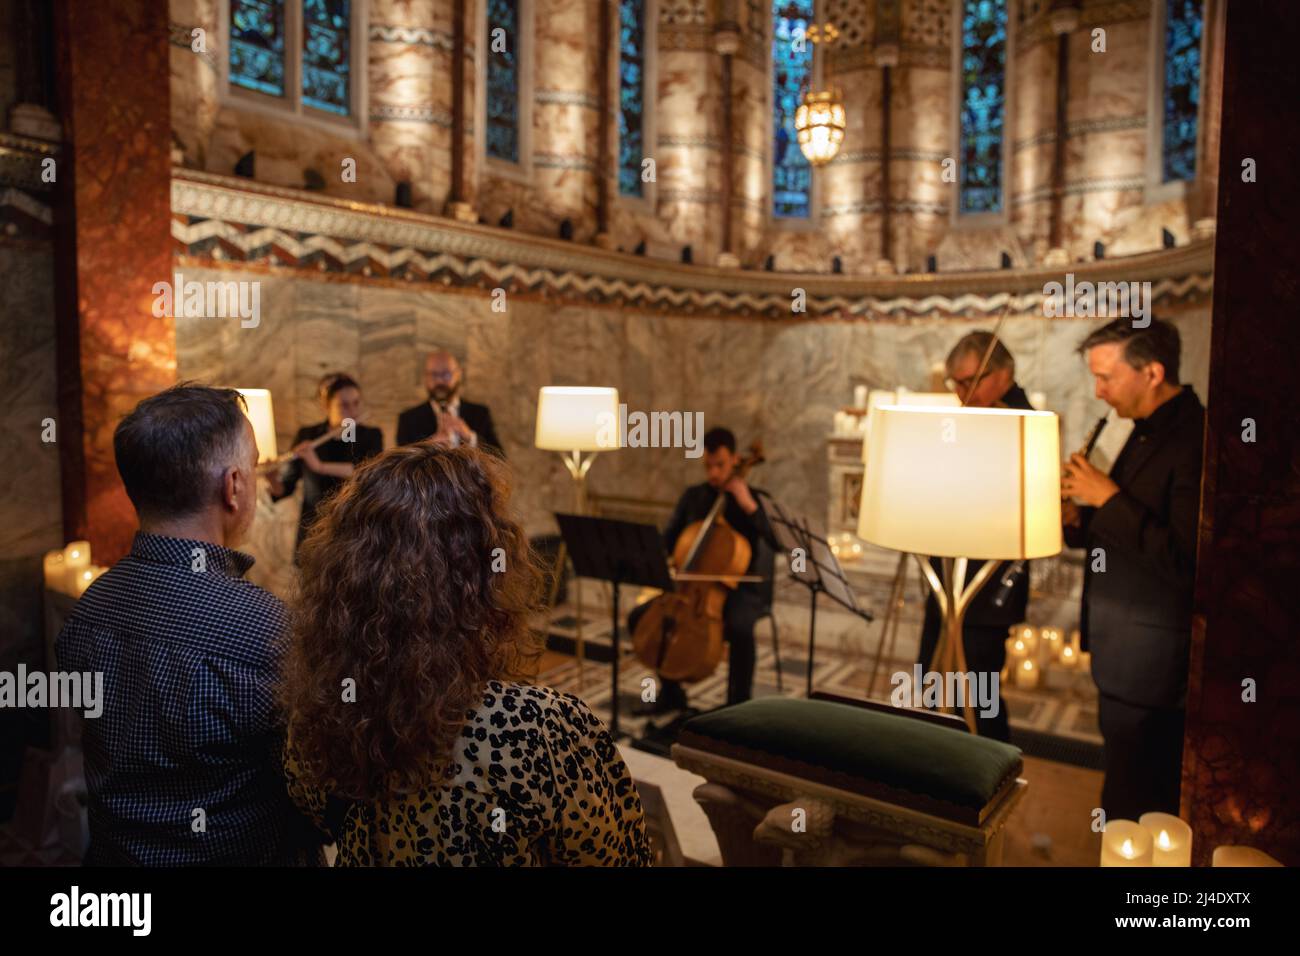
(680, 635)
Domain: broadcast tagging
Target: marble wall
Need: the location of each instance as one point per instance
(781, 381)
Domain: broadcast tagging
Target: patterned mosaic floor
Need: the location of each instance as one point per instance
(845, 652)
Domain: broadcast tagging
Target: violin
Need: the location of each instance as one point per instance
(680, 635)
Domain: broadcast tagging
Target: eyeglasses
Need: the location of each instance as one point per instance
(964, 384)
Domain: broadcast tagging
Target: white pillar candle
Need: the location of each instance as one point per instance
(1069, 657)
(1027, 674)
(56, 570)
(1171, 839)
(76, 558)
(1125, 843)
(1241, 856)
(1051, 646)
(1029, 635)
(85, 577)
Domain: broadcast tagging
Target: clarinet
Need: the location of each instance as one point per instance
(1018, 568)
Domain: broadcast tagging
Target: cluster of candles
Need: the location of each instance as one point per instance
(69, 570)
(1162, 839)
(1030, 650)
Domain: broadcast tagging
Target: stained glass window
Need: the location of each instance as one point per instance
(631, 95)
(503, 80)
(983, 104)
(792, 63)
(257, 45)
(326, 37)
(1182, 88)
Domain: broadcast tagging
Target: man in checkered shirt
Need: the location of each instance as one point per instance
(183, 766)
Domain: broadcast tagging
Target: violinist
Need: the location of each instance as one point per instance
(744, 605)
(984, 630)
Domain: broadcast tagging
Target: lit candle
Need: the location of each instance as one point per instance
(1052, 642)
(1241, 856)
(1029, 635)
(1069, 657)
(76, 558)
(1016, 648)
(1027, 675)
(1171, 839)
(56, 571)
(1125, 843)
(84, 578)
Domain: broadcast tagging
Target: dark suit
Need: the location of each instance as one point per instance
(418, 423)
(745, 604)
(1137, 613)
(985, 627)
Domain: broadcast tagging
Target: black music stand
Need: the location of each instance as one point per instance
(620, 552)
(821, 571)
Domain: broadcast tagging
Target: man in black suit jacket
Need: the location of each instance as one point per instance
(445, 417)
(1139, 526)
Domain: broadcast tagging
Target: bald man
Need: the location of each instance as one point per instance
(445, 417)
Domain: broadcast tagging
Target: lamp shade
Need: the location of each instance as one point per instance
(577, 418)
(901, 396)
(963, 482)
(262, 416)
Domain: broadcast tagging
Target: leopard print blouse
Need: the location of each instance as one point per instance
(536, 780)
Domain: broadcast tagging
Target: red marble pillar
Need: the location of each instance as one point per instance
(1241, 762)
(114, 243)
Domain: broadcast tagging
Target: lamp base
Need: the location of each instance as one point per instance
(954, 595)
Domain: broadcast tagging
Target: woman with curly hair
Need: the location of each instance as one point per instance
(413, 738)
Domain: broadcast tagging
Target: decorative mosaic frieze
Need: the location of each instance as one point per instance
(410, 114)
(1083, 128)
(413, 36)
(217, 219)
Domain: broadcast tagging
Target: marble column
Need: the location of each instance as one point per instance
(1241, 762)
(726, 41)
(605, 46)
(1065, 19)
(410, 108)
(1202, 202)
(114, 244)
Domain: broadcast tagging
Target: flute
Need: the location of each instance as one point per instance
(290, 455)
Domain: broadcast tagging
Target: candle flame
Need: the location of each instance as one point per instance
(1164, 841)
(1127, 849)
(1020, 645)
(87, 575)
(1029, 665)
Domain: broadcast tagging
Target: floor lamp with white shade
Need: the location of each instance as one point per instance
(578, 421)
(962, 484)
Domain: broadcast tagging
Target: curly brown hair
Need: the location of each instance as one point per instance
(404, 591)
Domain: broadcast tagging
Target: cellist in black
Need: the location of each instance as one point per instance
(745, 604)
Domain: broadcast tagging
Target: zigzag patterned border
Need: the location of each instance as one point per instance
(222, 220)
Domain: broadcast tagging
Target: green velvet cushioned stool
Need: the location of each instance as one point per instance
(812, 782)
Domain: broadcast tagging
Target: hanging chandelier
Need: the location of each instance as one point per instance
(820, 120)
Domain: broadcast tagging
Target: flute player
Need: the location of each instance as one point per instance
(325, 454)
